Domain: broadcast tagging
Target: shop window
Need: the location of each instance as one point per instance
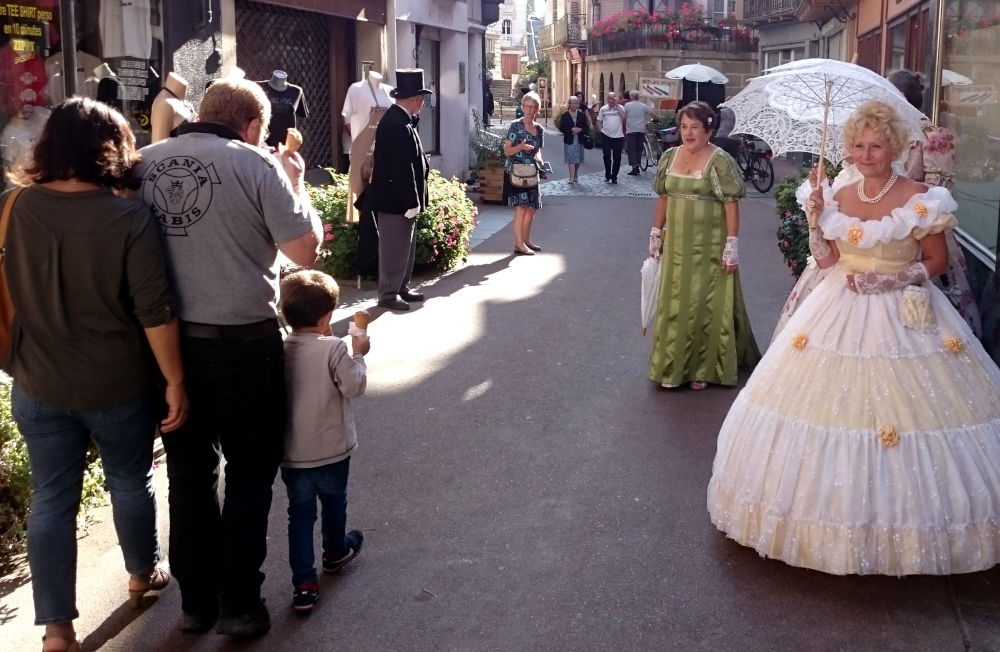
(430, 116)
(970, 111)
(118, 60)
(869, 50)
(600, 90)
(611, 83)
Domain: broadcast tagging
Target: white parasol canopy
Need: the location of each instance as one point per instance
(650, 273)
(952, 78)
(697, 72)
(802, 106)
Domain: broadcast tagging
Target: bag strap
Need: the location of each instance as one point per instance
(5, 219)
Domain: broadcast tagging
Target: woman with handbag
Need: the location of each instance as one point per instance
(94, 329)
(575, 127)
(522, 147)
(868, 439)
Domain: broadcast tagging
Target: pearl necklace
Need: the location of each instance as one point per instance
(877, 198)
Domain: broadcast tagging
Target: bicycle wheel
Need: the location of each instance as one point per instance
(645, 158)
(761, 173)
(743, 161)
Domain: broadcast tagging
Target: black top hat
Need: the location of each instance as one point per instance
(409, 82)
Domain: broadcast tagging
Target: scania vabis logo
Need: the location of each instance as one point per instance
(179, 189)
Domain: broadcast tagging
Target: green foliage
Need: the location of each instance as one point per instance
(15, 480)
(532, 71)
(793, 228)
(340, 237)
(443, 229)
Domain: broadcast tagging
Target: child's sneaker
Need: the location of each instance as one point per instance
(305, 597)
(333, 562)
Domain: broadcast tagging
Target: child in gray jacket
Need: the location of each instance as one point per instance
(321, 377)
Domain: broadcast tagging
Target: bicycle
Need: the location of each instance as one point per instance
(755, 164)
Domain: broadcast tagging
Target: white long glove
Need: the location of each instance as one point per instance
(655, 242)
(731, 253)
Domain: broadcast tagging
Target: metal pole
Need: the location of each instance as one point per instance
(938, 61)
(67, 30)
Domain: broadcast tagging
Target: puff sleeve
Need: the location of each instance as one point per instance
(727, 180)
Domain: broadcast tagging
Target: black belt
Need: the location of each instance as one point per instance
(252, 331)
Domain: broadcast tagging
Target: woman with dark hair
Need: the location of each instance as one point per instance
(94, 319)
(701, 329)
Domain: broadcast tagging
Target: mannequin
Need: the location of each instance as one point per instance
(364, 106)
(361, 97)
(107, 84)
(288, 104)
(55, 89)
(170, 108)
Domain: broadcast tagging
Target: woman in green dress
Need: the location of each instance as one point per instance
(701, 330)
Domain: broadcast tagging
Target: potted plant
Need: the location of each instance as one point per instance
(489, 164)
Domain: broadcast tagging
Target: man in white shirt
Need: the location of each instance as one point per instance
(636, 116)
(611, 124)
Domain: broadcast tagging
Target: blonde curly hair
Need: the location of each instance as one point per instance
(881, 118)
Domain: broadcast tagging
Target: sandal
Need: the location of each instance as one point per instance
(72, 645)
(139, 585)
(698, 384)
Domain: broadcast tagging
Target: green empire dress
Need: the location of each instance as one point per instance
(701, 330)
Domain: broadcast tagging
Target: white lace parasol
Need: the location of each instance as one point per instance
(790, 104)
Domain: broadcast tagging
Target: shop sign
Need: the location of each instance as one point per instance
(972, 95)
(25, 26)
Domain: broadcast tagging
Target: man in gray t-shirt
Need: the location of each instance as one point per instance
(226, 207)
(637, 114)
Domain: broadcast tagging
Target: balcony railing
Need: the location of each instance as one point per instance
(565, 31)
(764, 10)
(655, 37)
(506, 40)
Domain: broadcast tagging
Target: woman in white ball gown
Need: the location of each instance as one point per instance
(868, 438)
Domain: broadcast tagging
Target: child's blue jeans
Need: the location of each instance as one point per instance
(329, 484)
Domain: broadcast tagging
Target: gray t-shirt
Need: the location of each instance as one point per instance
(636, 114)
(222, 205)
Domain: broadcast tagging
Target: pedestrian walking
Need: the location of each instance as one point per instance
(611, 124)
(637, 114)
(88, 280)
(523, 146)
(701, 330)
(227, 206)
(575, 127)
(321, 377)
(398, 191)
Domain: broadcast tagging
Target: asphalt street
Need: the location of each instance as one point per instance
(522, 485)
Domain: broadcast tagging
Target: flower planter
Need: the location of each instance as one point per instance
(491, 183)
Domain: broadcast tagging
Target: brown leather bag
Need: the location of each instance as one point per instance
(6, 306)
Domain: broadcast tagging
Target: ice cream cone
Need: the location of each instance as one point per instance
(293, 140)
(361, 319)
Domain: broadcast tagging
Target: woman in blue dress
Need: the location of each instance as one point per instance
(523, 145)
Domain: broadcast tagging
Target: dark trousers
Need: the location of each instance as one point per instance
(612, 156)
(397, 249)
(237, 393)
(633, 144)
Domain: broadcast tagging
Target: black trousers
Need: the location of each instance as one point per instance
(612, 156)
(633, 144)
(236, 389)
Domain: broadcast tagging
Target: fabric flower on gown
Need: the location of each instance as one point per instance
(954, 344)
(800, 340)
(888, 436)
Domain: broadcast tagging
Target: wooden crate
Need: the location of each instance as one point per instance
(491, 183)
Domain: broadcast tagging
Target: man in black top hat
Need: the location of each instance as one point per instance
(398, 189)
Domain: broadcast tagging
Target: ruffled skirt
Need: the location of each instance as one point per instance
(862, 446)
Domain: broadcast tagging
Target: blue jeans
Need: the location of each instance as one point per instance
(57, 443)
(236, 388)
(329, 484)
